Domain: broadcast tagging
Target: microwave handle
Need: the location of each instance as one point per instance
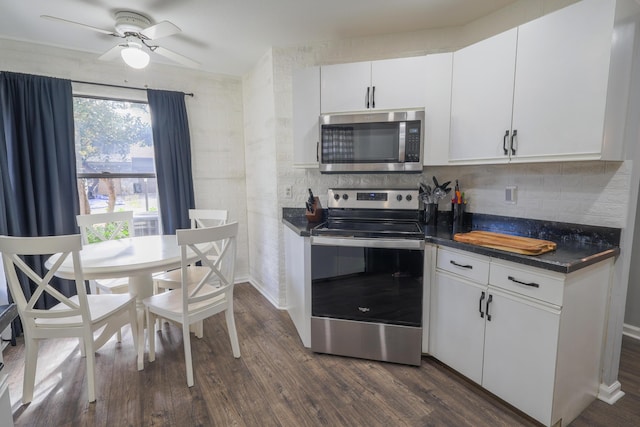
(402, 141)
(367, 98)
(317, 151)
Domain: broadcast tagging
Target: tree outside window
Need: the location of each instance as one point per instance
(115, 161)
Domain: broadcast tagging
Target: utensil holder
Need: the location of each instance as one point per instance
(431, 213)
(457, 210)
(316, 216)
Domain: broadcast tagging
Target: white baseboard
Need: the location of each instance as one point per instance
(631, 331)
(610, 393)
(256, 284)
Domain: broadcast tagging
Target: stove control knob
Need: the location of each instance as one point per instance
(336, 196)
(408, 197)
(399, 197)
(345, 196)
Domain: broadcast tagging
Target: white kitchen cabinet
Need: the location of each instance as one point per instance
(520, 351)
(437, 108)
(399, 83)
(456, 334)
(306, 112)
(545, 91)
(562, 73)
(530, 336)
(373, 85)
(481, 99)
(297, 252)
(458, 296)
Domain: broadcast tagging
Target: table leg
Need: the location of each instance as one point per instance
(141, 287)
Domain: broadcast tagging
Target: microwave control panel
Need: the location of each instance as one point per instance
(412, 143)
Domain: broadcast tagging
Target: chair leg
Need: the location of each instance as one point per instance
(151, 334)
(199, 330)
(91, 366)
(119, 335)
(233, 334)
(30, 363)
(186, 338)
(82, 350)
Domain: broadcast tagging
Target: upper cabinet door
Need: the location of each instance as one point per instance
(389, 84)
(345, 87)
(561, 81)
(437, 108)
(482, 99)
(306, 110)
(399, 83)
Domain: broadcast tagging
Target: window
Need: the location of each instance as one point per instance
(115, 161)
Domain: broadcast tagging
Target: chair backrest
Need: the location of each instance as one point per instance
(221, 269)
(14, 249)
(105, 226)
(201, 218)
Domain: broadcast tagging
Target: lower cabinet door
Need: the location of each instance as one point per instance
(521, 342)
(456, 332)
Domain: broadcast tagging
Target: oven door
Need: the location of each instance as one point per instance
(366, 297)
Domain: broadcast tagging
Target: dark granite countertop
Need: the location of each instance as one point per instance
(578, 245)
(295, 219)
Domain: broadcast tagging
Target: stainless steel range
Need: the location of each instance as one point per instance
(367, 262)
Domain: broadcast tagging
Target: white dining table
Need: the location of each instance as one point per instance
(136, 258)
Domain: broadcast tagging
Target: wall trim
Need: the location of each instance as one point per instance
(631, 331)
(610, 393)
(256, 284)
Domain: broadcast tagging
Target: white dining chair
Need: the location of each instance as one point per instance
(206, 289)
(200, 218)
(79, 316)
(102, 227)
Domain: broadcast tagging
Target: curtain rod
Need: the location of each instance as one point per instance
(118, 86)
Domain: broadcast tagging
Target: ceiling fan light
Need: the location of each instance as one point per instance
(135, 57)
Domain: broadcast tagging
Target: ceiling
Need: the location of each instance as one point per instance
(229, 36)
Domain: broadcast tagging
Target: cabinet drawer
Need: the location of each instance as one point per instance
(533, 282)
(472, 267)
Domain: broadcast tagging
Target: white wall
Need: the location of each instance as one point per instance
(260, 158)
(215, 118)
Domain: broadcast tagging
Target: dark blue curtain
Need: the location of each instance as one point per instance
(172, 148)
(37, 161)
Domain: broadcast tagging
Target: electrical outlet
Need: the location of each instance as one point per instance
(288, 192)
(510, 195)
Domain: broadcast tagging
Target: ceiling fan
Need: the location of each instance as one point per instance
(138, 35)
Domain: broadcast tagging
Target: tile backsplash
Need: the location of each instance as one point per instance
(592, 193)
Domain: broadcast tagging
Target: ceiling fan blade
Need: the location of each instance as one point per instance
(112, 53)
(175, 57)
(89, 27)
(161, 29)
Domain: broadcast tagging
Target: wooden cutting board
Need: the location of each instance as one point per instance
(506, 242)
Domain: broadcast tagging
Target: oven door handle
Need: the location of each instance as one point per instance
(368, 243)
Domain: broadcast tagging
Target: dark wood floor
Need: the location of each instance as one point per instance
(276, 382)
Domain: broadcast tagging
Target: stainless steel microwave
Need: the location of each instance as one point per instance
(389, 141)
